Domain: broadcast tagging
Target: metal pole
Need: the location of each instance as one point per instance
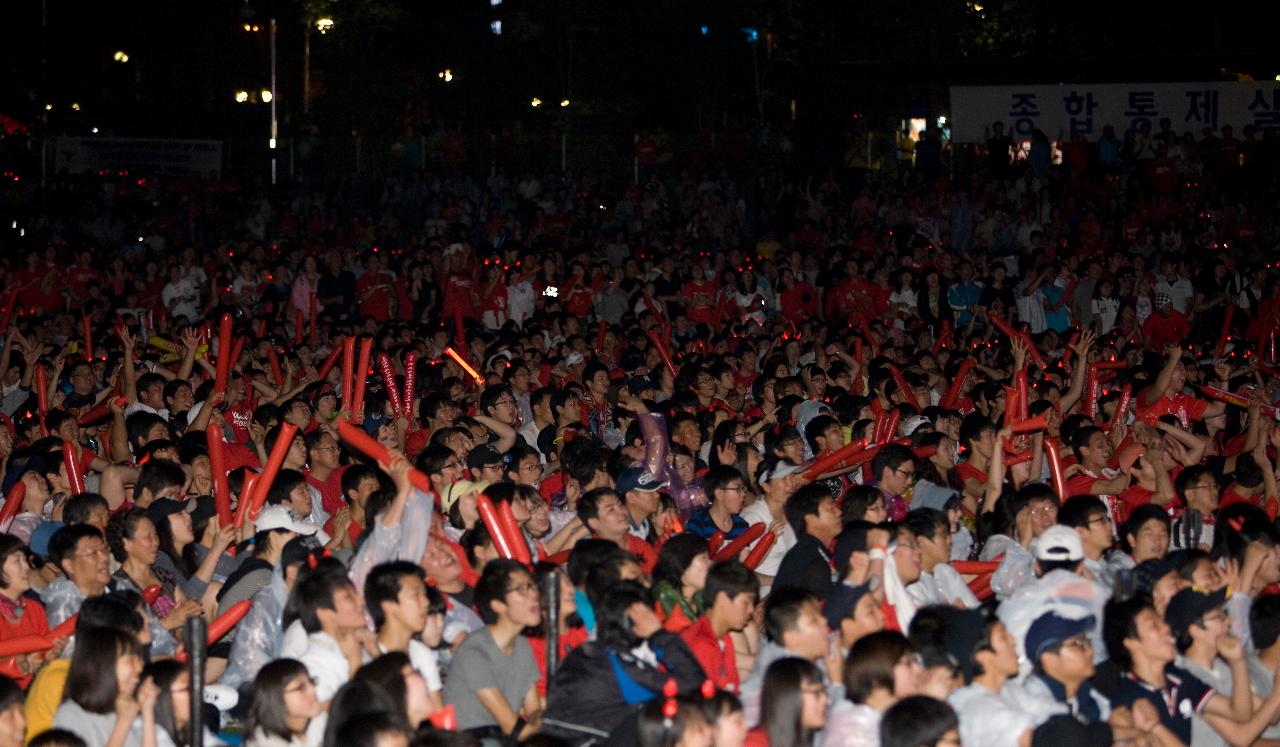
(274, 95)
(197, 634)
(551, 602)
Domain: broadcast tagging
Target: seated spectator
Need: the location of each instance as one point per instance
(19, 614)
(13, 723)
(330, 611)
(1032, 511)
(724, 487)
(879, 670)
(678, 580)
(273, 529)
(730, 597)
(1060, 683)
(938, 583)
(492, 675)
(99, 702)
(284, 711)
(395, 674)
(602, 511)
(919, 721)
(793, 704)
(987, 658)
(794, 626)
(395, 595)
(812, 516)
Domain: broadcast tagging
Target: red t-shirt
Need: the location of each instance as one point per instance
(1131, 498)
(1233, 495)
(331, 498)
(701, 298)
(569, 640)
(643, 550)
(1161, 332)
(380, 286)
(1182, 406)
(716, 655)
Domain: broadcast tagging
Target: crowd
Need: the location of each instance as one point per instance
(714, 459)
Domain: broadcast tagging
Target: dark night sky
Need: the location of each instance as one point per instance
(621, 62)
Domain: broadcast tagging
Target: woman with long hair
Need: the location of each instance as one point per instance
(407, 688)
(166, 703)
(678, 578)
(135, 544)
(283, 706)
(98, 702)
(572, 632)
(880, 669)
(793, 705)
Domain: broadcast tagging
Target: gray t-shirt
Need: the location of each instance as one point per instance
(479, 664)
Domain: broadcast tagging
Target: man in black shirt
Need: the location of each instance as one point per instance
(816, 521)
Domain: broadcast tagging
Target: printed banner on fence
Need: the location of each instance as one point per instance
(159, 156)
(1088, 108)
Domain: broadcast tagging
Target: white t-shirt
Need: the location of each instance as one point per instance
(1106, 308)
(757, 513)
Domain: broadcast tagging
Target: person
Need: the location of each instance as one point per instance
(813, 517)
(284, 710)
(1032, 511)
(395, 674)
(919, 721)
(395, 594)
(730, 596)
(724, 486)
(895, 472)
(793, 705)
(938, 583)
(1142, 646)
(679, 577)
(600, 684)
(492, 677)
(602, 512)
(1092, 521)
(986, 658)
(81, 553)
(135, 545)
(329, 608)
(723, 711)
(19, 614)
(260, 637)
(1208, 651)
(167, 708)
(99, 700)
(794, 626)
(880, 669)
(273, 529)
(358, 702)
(118, 610)
(674, 722)
(13, 722)
(778, 478)
(1264, 626)
(1061, 680)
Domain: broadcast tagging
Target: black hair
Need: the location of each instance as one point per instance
(869, 665)
(1080, 510)
(925, 522)
(432, 459)
(123, 526)
(805, 502)
(117, 610)
(1264, 620)
(387, 673)
(731, 578)
(972, 428)
(717, 478)
(78, 507)
(613, 624)
(62, 544)
(1026, 495)
(655, 728)
(157, 475)
(9, 545)
(1119, 622)
(1080, 439)
(588, 504)
(493, 586)
(91, 678)
(782, 701)
(782, 610)
(1188, 477)
(314, 592)
(676, 555)
(10, 694)
(360, 711)
(266, 706)
(916, 721)
(817, 427)
(891, 456)
(383, 585)
(586, 554)
(57, 738)
(1141, 515)
(857, 499)
(139, 424)
(286, 480)
(164, 673)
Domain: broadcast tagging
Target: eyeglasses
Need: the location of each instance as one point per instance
(1043, 510)
(909, 474)
(1100, 519)
(1079, 642)
(504, 402)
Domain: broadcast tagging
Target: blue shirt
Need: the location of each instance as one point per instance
(1182, 697)
(963, 297)
(704, 526)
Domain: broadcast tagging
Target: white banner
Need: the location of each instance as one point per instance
(160, 156)
(1087, 108)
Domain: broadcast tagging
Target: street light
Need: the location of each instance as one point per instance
(120, 56)
(75, 106)
(537, 102)
(564, 102)
(446, 75)
(242, 97)
(266, 96)
(324, 25)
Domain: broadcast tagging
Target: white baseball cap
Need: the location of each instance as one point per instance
(279, 517)
(1058, 543)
